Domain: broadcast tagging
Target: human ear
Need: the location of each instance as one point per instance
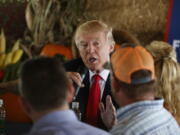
(114, 84)
(112, 48)
(70, 93)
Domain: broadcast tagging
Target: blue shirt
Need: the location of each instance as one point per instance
(145, 118)
(63, 123)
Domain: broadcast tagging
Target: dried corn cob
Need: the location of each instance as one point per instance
(16, 56)
(2, 42)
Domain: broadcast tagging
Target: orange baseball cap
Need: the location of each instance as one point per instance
(130, 58)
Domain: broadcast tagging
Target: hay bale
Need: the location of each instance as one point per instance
(146, 19)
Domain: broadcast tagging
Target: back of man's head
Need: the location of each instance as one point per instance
(133, 69)
(43, 83)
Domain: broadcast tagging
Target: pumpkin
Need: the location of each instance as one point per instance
(14, 111)
(51, 50)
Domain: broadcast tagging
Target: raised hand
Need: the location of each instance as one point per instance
(108, 113)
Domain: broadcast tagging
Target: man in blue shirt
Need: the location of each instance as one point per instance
(133, 83)
(45, 93)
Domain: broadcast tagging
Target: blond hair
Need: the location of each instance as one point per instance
(168, 75)
(94, 26)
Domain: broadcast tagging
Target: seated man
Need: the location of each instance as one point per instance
(45, 93)
(133, 82)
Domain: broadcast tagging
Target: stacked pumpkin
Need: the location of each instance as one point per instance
(51, 50)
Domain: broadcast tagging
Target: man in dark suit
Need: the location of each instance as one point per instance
(94, 41)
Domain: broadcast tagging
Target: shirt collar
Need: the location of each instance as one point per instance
(104, 74)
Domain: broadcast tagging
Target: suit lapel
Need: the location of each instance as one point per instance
(107, 90)
(83, 94)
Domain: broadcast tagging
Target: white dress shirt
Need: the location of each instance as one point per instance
(104, 75)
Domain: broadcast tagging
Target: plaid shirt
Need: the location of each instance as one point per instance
(145, 118)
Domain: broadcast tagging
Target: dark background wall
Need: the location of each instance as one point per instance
(12, 19)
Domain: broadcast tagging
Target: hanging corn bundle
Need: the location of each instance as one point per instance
(53, 21)
(41, 17)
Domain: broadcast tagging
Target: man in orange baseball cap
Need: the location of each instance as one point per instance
(133, 82)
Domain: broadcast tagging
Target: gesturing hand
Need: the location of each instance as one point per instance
(76, 78)
(108, 113)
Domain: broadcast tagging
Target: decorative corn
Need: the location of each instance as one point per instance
(16, 45)
(16, 56)
(2, 42)
(13, 56)
(8, 59)
(2, 58)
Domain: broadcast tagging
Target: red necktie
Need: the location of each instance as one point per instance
(92, 110)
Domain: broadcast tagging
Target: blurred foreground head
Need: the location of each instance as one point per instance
(43, 83)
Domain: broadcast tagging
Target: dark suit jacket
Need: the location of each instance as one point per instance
(82, 96)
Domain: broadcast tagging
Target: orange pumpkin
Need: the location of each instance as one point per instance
(51, 50)
(14, 111)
